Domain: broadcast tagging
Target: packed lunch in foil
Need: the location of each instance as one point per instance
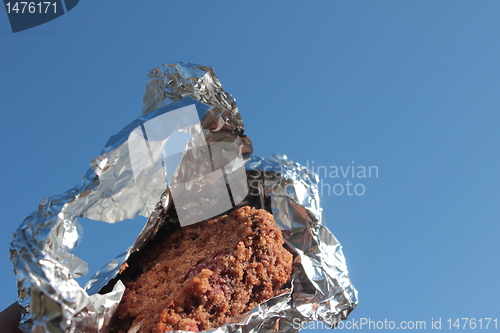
(233, 242)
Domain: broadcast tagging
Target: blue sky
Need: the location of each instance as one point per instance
(409, 87)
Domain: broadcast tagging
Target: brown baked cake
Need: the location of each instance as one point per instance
(198, 277)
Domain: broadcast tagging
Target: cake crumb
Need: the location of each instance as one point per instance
(198, 277)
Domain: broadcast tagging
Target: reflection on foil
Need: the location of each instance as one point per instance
(112, 191)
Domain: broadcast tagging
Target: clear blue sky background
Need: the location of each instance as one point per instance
(412, 87)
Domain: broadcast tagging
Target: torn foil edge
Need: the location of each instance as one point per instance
(53, 300)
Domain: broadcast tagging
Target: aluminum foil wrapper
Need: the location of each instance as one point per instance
(111, 191)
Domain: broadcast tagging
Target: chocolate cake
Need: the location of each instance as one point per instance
(198, 277)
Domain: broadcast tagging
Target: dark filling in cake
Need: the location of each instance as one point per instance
(198, 277)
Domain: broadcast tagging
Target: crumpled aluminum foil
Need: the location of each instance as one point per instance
(41, 250)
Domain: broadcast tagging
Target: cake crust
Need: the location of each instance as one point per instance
(198, 277)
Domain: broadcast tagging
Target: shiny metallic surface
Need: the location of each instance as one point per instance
(321, 286)
(41, 250)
